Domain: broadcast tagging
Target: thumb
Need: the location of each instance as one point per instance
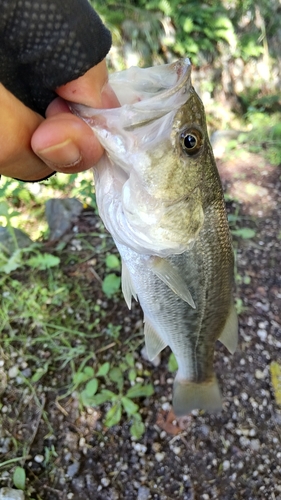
(92, 89)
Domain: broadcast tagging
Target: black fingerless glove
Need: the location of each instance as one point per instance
(47, 43)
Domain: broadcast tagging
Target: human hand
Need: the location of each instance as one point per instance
(32, 148)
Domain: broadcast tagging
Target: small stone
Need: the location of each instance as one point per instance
(105, 481)
(13, 371)
(159, 456)
(39, 459)
(166, 406)
(262, 334)
(5, 445)
(244, 441)
(143, 493)
(26, 373)
(73, 469)
(226, 464)
(156, 447)
(140, 448)
(259, 374)
(255, 444)
(176, 450)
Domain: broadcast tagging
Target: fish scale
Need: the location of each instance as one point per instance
(159, 194)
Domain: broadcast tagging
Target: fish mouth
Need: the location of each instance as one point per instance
(161, 99)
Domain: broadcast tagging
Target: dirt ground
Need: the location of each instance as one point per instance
(233, 455)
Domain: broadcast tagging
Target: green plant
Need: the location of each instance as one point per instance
(172, 363)
(239, 305)
(111, 283)
(95, 390)
(21, 258)
(19, 478)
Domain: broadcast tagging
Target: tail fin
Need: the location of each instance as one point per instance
(189, 396)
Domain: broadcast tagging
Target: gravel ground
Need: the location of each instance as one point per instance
(233, 455)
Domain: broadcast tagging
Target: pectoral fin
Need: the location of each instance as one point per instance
(229, 335)
(153, 342)
(172, 278)
(127, 286)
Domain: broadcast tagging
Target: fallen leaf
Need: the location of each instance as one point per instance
(275, 371)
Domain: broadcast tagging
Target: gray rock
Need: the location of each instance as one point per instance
(11, 494)
(73, 469)
(61, 214)
(7, 242)
(143, 493)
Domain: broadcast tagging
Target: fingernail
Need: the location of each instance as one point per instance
(66, 153)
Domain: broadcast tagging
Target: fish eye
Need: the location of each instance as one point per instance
(191, 141)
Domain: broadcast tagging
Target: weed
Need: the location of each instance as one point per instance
(111, 283)
(263, 138)
(19, 478)
(172, 363)
(94, 391)
(240, 308)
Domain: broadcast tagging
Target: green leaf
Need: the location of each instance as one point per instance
(172, 363)
(132, 375)
(130, 359)
(92, 387)
(138, 390)
(14, 262)
(112, 261)
(4, 209)
(43, 261)
(275, 372)
(137, 428)
(116, 376)
(79, 378)
(188, 25)
(113, 415)
(19, 478)
(103, 370)
(244, 233)
(111, 284)
(89, 371)
(39, 373)
(129, 406)
(86, 399)
(102, 397)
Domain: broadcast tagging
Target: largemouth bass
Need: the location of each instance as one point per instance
(160, 196)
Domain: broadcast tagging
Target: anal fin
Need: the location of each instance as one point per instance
(172, 278)
(127, 286)
(153, 342)
(229, 335)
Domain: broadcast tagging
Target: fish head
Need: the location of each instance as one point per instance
(149, 185)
